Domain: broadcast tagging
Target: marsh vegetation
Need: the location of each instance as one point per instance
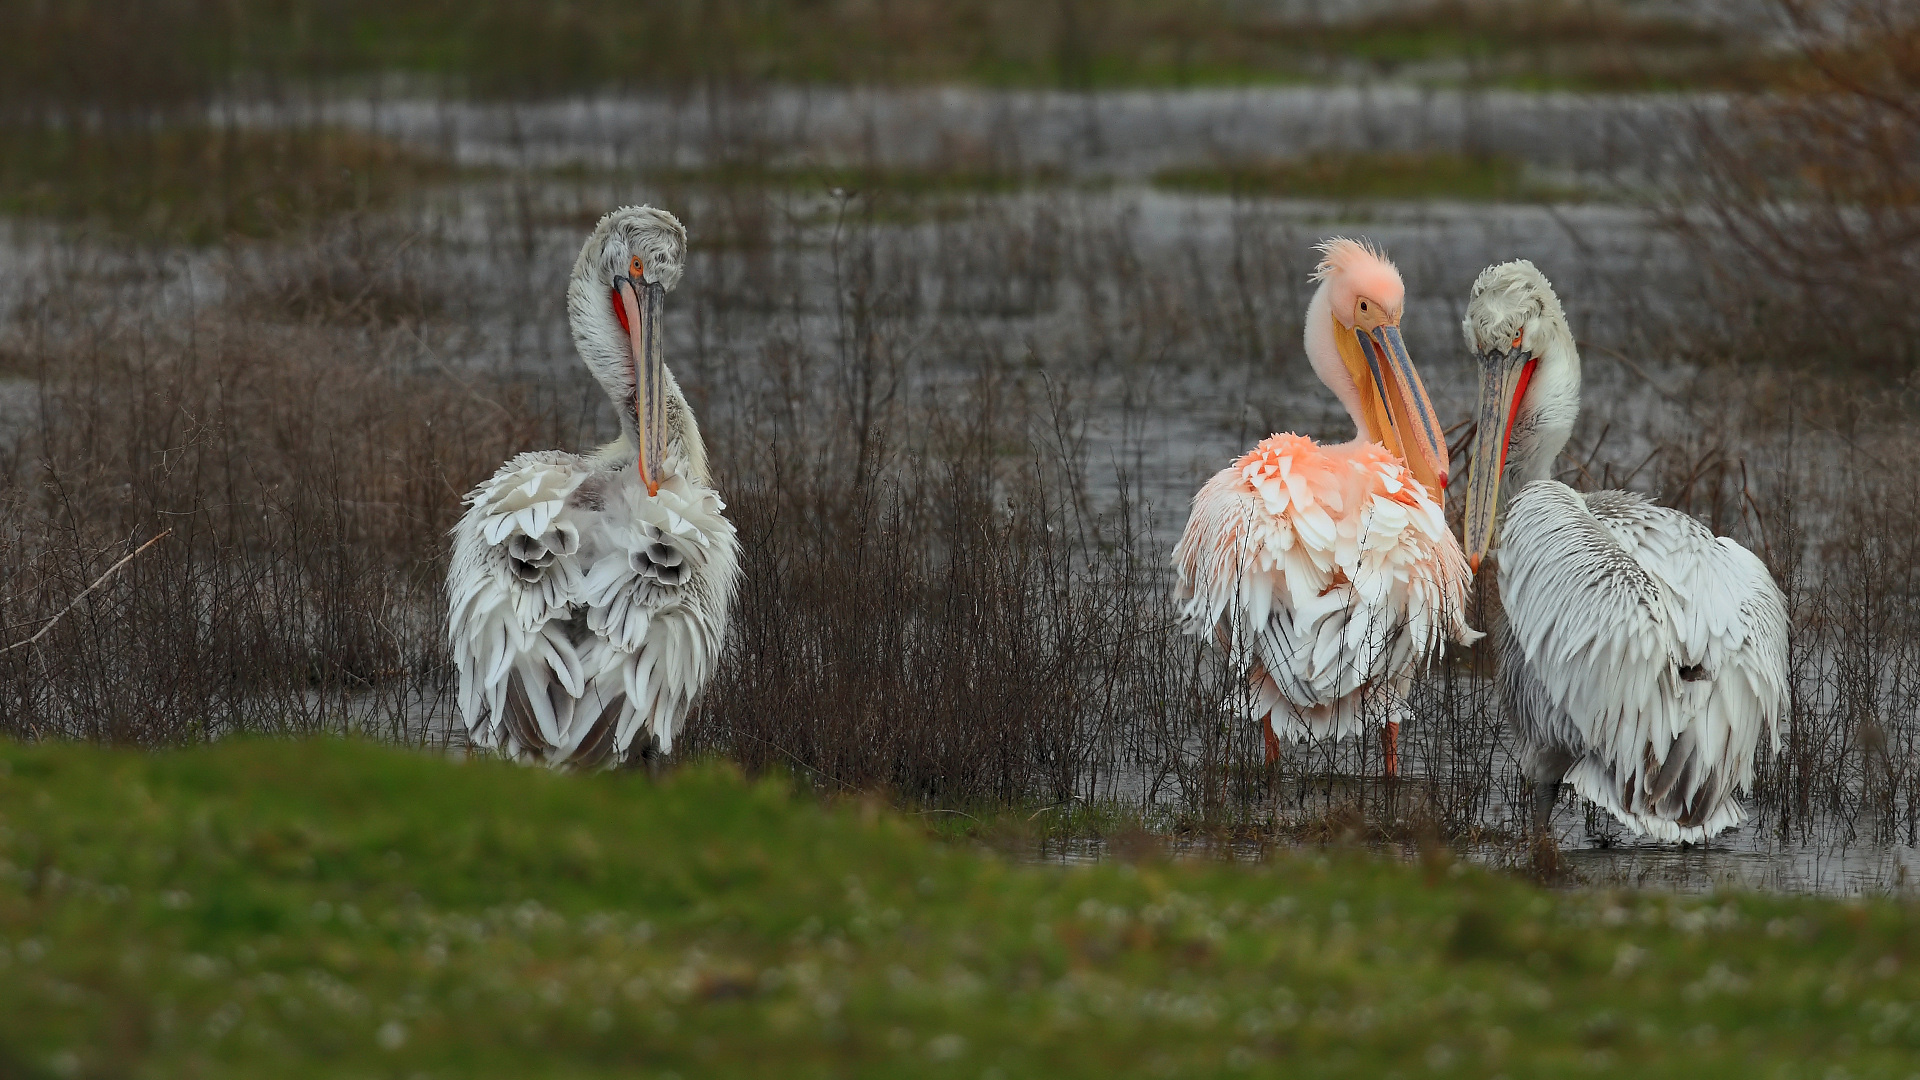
(958, 387)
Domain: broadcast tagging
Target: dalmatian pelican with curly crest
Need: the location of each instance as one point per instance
(589, 594)
(1642, 658)
(1327, 573)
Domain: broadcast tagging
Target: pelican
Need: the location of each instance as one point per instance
(1641, 657)
(1327, 574)
(589, 594)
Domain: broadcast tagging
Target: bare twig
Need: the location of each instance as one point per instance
(111, 570)
(457, 380)
(1456, 449)
(957, 813)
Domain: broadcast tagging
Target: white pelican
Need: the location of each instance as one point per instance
(1327, 573)
(1642, 657)
(589, 593)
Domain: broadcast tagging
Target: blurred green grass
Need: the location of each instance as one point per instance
(105, 107)
(104, 54)
(198, 184)
(330, 908)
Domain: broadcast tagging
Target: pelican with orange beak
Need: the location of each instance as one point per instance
(589, 593)
(1327, 573)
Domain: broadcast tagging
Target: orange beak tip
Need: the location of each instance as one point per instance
(1473, 563)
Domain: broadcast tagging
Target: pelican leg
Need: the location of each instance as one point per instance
(1390, 748)
(1272, 741)
(1545, 794)
(645, 754)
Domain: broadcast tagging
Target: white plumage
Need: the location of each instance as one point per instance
(589, 594)
(1642, 658)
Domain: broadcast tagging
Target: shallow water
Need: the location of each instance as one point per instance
(1605, 139)
(1739, 861)
(1735, 861)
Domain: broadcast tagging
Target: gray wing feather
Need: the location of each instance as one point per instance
(1651, 656)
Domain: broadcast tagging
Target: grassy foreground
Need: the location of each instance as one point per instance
(335, 909)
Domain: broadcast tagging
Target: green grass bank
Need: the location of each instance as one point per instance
(138, 56)
(336, 909)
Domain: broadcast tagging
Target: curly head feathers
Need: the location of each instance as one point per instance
(656, 236)
(1513, 299)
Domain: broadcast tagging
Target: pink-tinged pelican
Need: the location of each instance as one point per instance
(589, 594)
(1641, 657)
(1327, 573)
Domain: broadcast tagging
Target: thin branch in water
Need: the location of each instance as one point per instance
(75, 602)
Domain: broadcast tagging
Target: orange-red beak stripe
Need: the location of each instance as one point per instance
(620, 310)
(1513, 410)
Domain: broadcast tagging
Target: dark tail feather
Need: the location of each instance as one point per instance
(1686, 789)
(597, 747)
(521, 723)
(1667, 790)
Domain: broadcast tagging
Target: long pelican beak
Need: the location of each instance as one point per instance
(1394, 401)
(641, 301)
(1503, 382)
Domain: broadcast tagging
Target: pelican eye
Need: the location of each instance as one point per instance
(1516, 340)
(635, 269)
